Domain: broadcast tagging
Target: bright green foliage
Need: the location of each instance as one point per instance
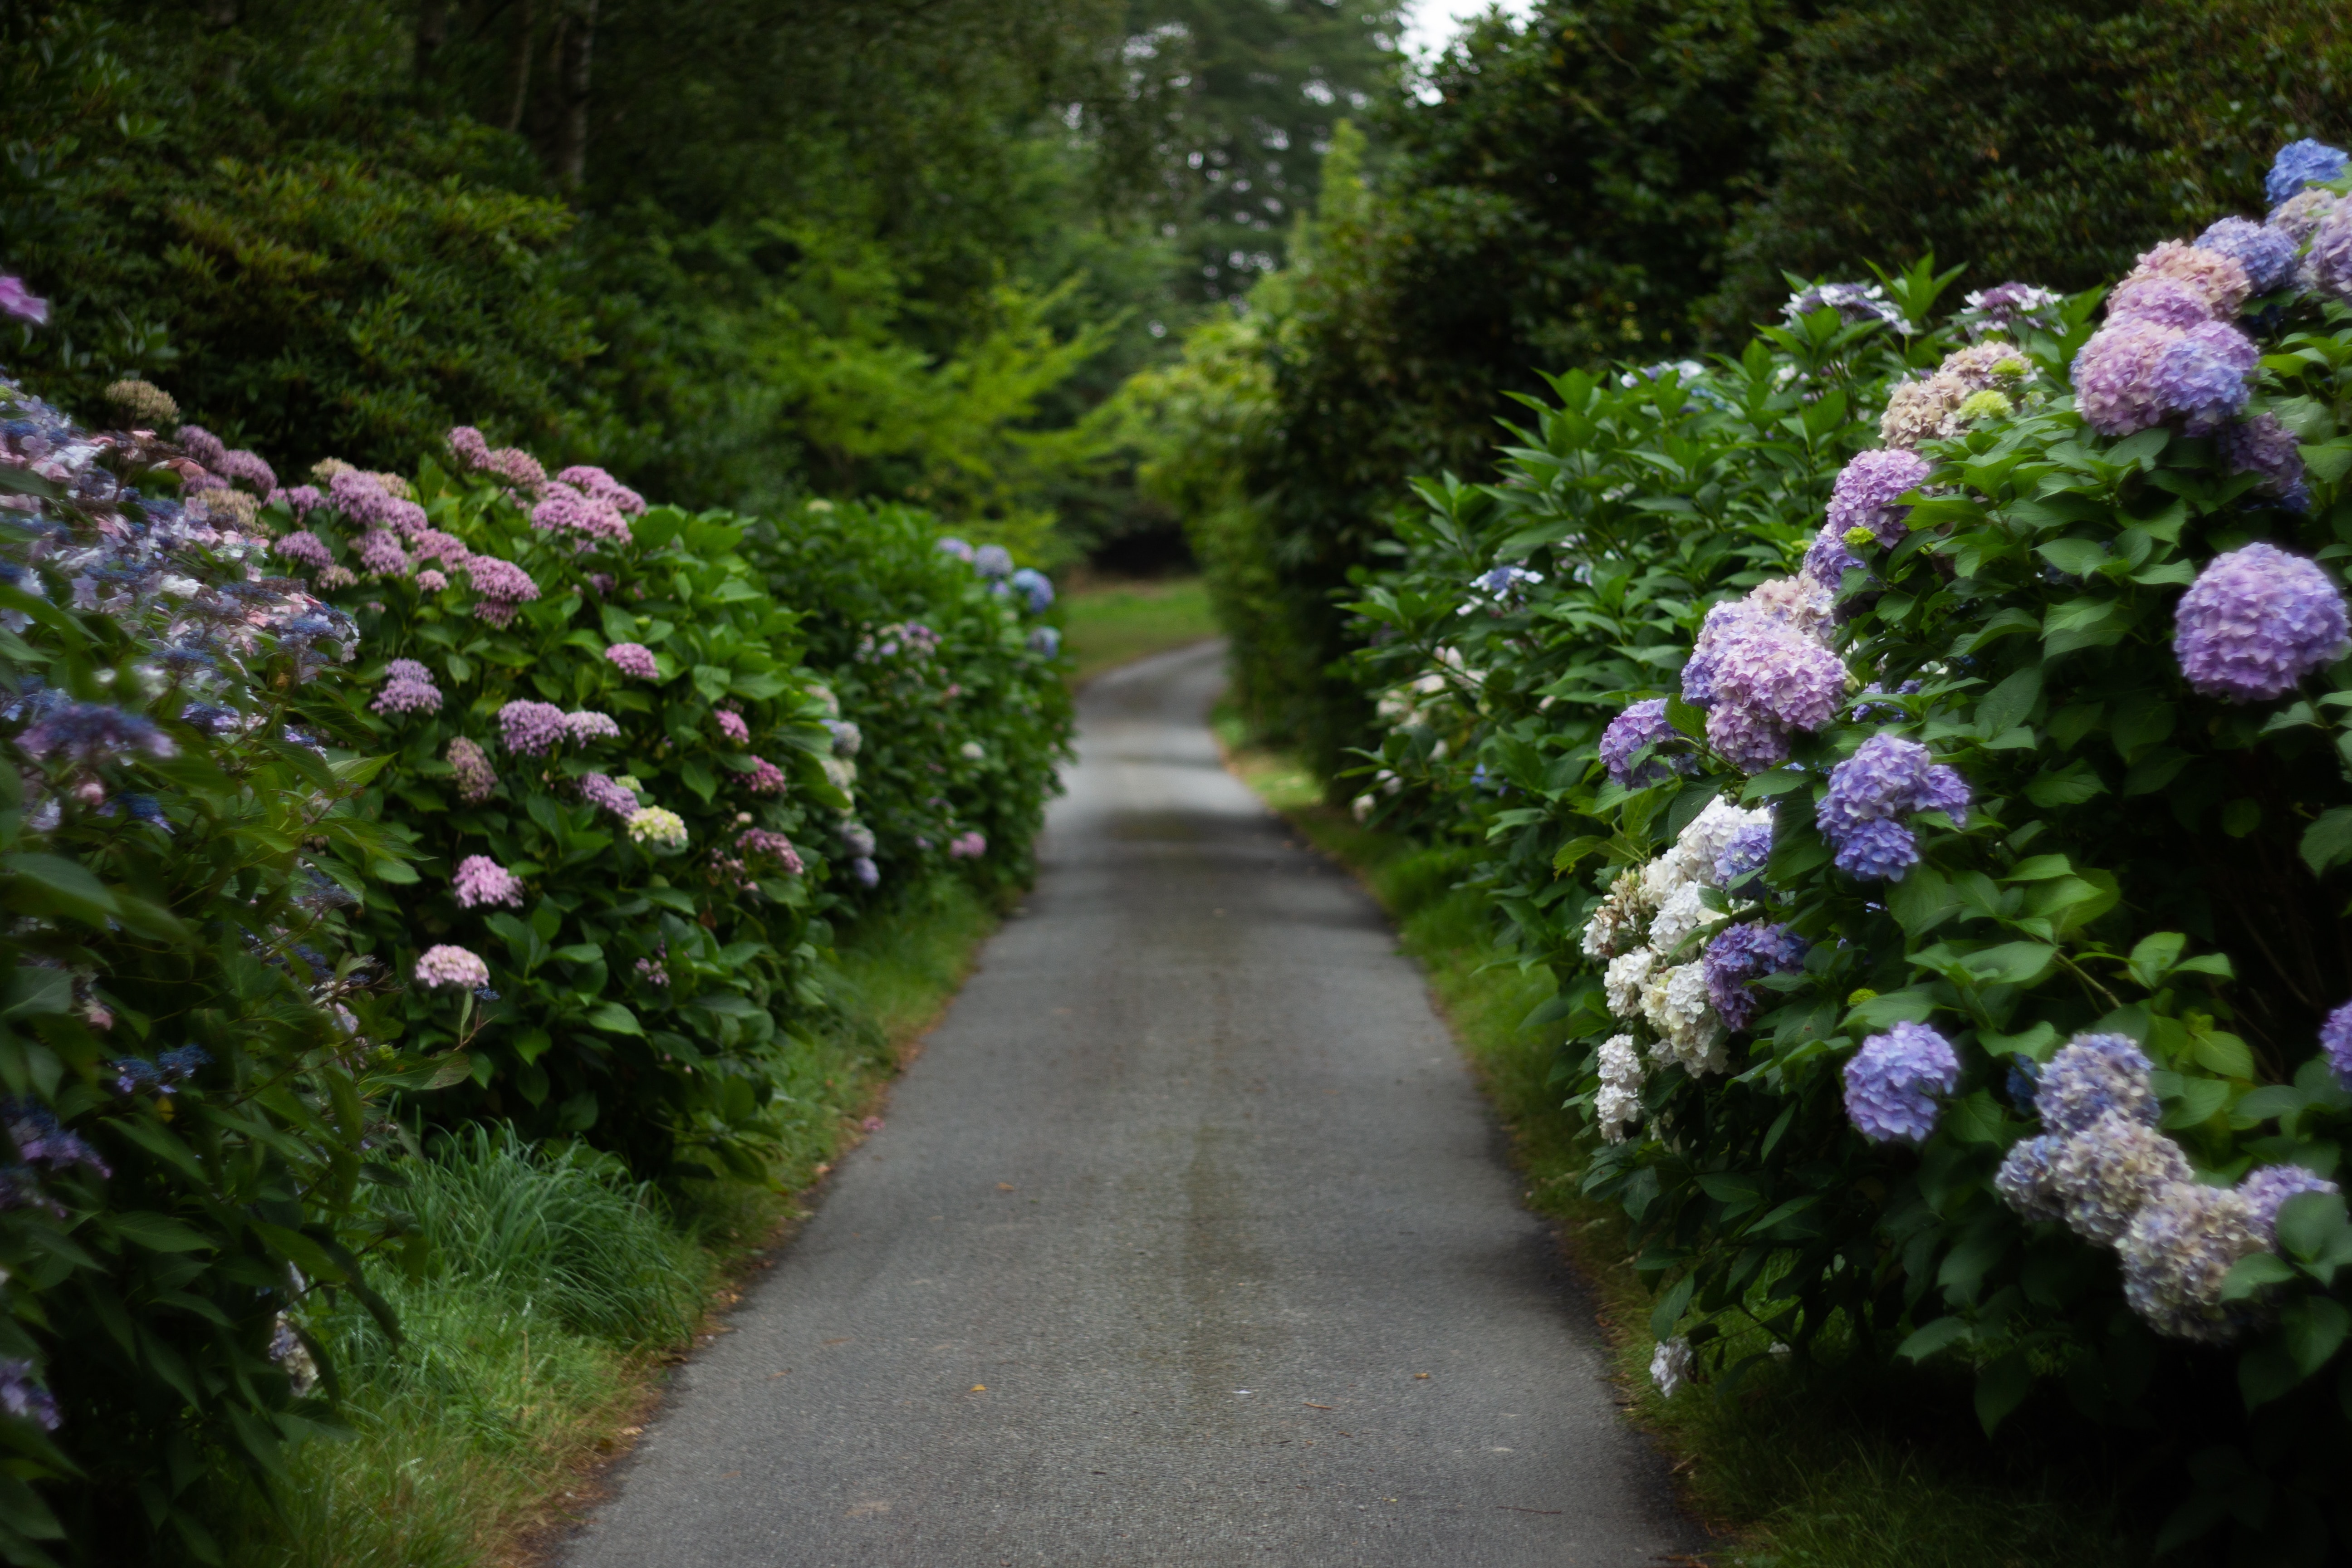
(164, 896)
(965, 736)
(2138, 858)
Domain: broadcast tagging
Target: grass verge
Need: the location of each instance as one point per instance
(1842, 1464)
(548, 1292)
(1112, 623)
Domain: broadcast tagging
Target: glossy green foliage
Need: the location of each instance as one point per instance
(2138, 858)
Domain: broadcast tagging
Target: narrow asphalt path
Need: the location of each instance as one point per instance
(1189, 1241)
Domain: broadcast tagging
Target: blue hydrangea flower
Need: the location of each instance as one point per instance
(1644, 724)
(1829, 558)
(2301, 164)
(1035, 586)
(2335, 1043)
(2256, 621)
(2024, 1179)
(2024, 1083)
(1045, 642)
(1867, 489)
(1863, 712)
(992, 561)
(2093, 1076)
(1740, 956)
(1894, 1084)
(2104, 1174)
(1878, 851)
(957, 548)
(2267, 255)
(23, 1396)
(2205, 376)
(2269, 1186)
(2177, 1252)
(868, 874)
(1871, 793)
(40, 1140)
(1743, 853)
(91, 733)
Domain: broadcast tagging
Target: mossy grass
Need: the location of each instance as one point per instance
(1114, 623)
(547, 1292)
(1843, 1461)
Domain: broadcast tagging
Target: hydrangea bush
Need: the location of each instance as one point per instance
(2024, 1055)
(191, 1066)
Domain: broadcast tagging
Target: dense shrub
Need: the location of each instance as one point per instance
(950, 674)
(1949, 938)
(189, 1088)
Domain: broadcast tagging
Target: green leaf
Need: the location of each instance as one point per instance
(2001, 1387)
(454, 1068)
(2255, 1271)
(2040, 868)
(161, 1233)
(2012, 963)
(2223, 1053)
(1976, 1118)
(2309, 1224)
(67, 884)
(396, 872)
(1936, 1336)
(614, 1018)
(2327, 842)
(2075, 557)
(2153, 959)
(711, 680)
(2312, 1329)
(2198, 1100)
(2006, 706)
(2070, 785)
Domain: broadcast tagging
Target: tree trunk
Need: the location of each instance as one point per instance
(570, 141)
(518, 67)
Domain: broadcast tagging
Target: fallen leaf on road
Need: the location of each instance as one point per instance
(1004, 1186)
(1420, 1374)
(980, 1388)
(1312, 1405)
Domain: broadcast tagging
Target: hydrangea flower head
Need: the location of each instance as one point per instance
(466, 445)
(955, 547)
(2166, 301)
(2094, 1076)
(992, 561)
(515, 468)
(2263, 446)
(2114, 376)
(2299, 217)
(92, 733)
(731, 725)
(22, 1392)
(1644, 724)
(405, 694)
(635, 660)
(2205, 376)
(21, 302)
(765, 777)
(2256, 621)
(476, 778)
(1045, 642)
(2266, 255)
(1744, 854)
(565, 509)
(381, 554)
(1894, 1083)
(502, 585)
(1671, 1365)
(651, 825)
(1868, 493)
(600, 486)
(2104, 1174)
(2329, 263)
(532, 728)
(2216, 278)
(2301, 164)
(2177, 1251)
(865, 873)
(759, 843)
(1831, 557)
(446, 965)
(1853, 302)
(304, 548)
(590, 726)
(1034, 586)
(606, 795)
(1743, 955)
(2024, 1180)
(431, 581)
(481, 880)
(2335, 1044)
(2267, 1187)
(2004, 306)
(967, 847)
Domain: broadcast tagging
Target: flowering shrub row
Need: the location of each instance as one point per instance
(343, 804)
(1920, 754)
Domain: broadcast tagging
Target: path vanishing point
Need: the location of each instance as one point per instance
(1188, 1241)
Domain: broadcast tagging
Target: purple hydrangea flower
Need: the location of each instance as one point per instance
(2165, 300)
(2205, 376)
(482, 880)
(2335, 1043)
(599, 791)
(2267, 1187)
(992, 561)
(756, 842)
(471, 764)
(533, 729)
(2006, 304)
(2267, 255)
(1878, 851)
(22, 1394)
(1829, 558)
(41, 1141)
(469, 447)
(21, 302)
(1759, 679)
(1740, 956)
(2094, 1076)
(957, 548)
(1644, 724)
(2104, 1174)
(1866, 492)
(2256, 621)
(2114, 377)
(1035, 586)
(1893, 1083)
(1743, 853)
(2024, 1181)
(1863, 712)
(585, 725)
(601, 486)
(2264, 446)
(2301, 164)
(502, 585)
(1886, 780)
(1853, 302)
(408, 697)
(2330, 260)
(304, 548)
(868, 874)
(633, 659)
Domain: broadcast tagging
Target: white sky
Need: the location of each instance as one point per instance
(1430, 25)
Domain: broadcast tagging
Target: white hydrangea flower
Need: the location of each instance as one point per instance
(1621, 981)
(1700, 844)
(1618, 1103)
(1622, 918)
(1690, 1035)
(1683, 912)
(1670, 1365)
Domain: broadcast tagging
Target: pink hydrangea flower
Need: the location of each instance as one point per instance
(598, 485)
(359, 495)
(432, 544)
(970, 847)
(516, 467)
(566, 509)
(482, 880)
(21, 302)
(202, 445)
(756, 842)
(532, 728)
(502, 585)
(298, 500)
(588, 726)
(246, 468)
(448, 965)
(381, 554)
(765, 777)
(304, 548)
(431, 581)
(731, 725)
(635, 659)
(465, 445)
(403, 694)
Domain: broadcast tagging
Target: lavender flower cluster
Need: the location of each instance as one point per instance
(1644, 725)
(1762, 670)
(2256, 621)
(1863, 509)
(1895, 1084)
(1872, 792)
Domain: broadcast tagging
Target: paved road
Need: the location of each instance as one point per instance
(1179, 1205)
